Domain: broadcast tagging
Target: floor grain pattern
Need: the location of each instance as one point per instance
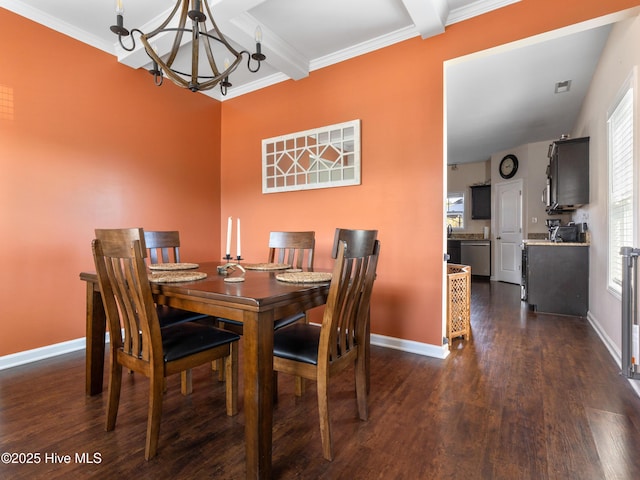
(530, 396)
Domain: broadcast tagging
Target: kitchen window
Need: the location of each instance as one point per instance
(455, 210)
(622, 211)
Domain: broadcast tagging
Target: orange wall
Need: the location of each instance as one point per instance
(92, 144)
(397, 93)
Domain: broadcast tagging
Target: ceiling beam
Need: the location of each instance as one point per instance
(428, 16)
(235, 20)
(280, 54)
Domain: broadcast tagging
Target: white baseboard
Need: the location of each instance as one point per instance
(613, 349)
(425, 349)
(28, 356)
(610, 344)
(42, 353)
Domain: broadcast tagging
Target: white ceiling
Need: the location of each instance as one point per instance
(500, 100)
(495, 102)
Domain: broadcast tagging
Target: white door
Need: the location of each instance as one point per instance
(509, 231)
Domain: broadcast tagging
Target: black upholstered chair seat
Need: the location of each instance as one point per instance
(171, 316)
(283, 322)
(188, 338)
(297, 342)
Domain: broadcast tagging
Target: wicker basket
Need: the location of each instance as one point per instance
(458, 301)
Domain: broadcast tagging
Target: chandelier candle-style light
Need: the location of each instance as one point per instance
(203, 30)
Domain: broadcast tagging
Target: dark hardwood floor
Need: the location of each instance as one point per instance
(530, 396)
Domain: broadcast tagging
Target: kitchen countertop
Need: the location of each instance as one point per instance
(467, 239)
(555, 244)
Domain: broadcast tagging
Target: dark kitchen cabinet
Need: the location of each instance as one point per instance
(453, 249)
(568, 175)
(481, 202)
(557, 279)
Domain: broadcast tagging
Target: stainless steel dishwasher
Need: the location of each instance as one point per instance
(476, 254)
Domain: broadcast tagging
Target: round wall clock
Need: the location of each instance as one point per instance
(508, 166)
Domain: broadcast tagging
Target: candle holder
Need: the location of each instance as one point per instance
(229, 267)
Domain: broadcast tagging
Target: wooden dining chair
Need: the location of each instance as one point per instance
(319, 352)
(164, 247)
(293, 248)
(138, 343)
(351, 237)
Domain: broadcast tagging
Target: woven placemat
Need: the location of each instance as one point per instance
(267, 266)
(173, 266)
(304, 277)
(166, 277)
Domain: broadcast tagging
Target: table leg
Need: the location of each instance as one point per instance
(258, 393)
(95, 331)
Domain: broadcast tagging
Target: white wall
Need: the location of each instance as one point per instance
(619, 57)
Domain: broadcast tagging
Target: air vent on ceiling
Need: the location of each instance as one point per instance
(563, 87)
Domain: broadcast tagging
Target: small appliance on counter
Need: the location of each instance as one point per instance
(582, 232)
(552, 224)
(567, 233)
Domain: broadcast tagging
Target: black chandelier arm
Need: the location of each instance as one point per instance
(156, 76)
(133, 40)
(258, 57)
(156, 71)
(224, 85)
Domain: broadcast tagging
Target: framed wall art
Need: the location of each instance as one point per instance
(318, 158)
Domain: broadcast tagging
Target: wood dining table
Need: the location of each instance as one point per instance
(256, 302)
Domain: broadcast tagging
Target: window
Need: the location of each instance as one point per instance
(455, 209)
(621, 185)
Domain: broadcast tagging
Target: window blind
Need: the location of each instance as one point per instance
(621, 182)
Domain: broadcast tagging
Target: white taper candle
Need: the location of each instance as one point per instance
(229, 227)
(239, 253)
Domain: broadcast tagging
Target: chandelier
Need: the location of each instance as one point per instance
(202, 31)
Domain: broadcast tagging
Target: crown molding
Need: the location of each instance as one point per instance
(54, 23)
(296, 67)
(475, 9)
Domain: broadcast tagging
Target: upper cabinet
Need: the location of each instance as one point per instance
(567, 175)
(481, 202)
